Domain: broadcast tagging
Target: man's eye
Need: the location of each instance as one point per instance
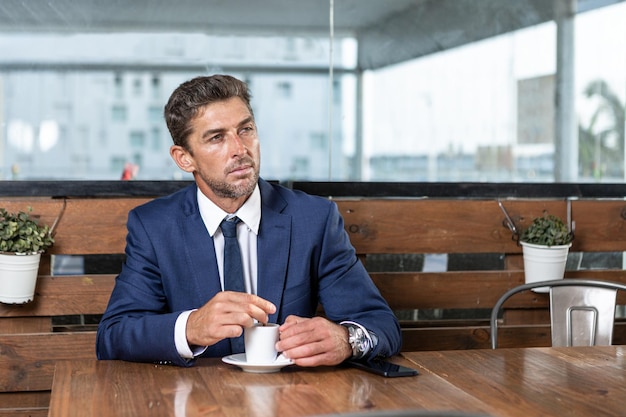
(215, 138)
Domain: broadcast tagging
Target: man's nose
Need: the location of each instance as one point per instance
(237, 147)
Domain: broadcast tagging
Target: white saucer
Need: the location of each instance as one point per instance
(239, 360)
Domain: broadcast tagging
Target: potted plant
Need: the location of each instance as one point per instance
(545, 246)
(22, 241)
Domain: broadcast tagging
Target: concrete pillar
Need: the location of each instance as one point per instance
(566, 126)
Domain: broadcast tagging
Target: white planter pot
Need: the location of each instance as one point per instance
(18, 277)
(544, 263)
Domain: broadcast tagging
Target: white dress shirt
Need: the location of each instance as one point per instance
(247, 232)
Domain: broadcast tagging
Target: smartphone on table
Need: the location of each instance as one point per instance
(383, 367)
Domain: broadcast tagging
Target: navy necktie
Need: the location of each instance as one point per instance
(233, 270)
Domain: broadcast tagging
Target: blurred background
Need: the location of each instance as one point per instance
(343, 90)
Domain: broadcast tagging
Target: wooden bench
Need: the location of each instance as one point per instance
(474, 229)
(29, 343)
(390, 235)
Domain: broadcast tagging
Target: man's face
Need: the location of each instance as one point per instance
(224, 153)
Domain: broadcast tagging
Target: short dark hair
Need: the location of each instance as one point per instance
(185, 102)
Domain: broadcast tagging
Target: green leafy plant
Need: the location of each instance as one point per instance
(20, 233)
(547, 230)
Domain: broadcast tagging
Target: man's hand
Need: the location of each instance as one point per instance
(313, 341)
(225, 315)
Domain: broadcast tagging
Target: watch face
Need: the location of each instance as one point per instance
(358, 341)
(362, 341)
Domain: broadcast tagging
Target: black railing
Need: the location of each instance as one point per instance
(326, 189)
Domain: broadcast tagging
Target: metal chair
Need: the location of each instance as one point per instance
(582, 311)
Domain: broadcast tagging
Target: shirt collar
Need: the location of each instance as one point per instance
(249, 213)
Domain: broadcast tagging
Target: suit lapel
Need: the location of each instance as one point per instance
(273, 247)
(200, 250)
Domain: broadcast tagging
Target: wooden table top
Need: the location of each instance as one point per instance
(504, 382)
(580, 381)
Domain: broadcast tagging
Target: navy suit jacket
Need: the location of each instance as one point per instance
(304, 258)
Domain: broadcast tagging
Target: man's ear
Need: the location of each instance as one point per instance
(182, 158)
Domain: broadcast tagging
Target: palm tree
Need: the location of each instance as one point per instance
(601, 143)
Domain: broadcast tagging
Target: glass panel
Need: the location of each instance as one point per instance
(481, 112)
(120, 106)
(477, 104)
(601, 92)
(486, 111)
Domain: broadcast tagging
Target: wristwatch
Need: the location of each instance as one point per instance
(359, 338)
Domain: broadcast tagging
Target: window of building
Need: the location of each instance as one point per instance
(284, 89)
(116, 163)
(119, 113)
(155, 114)
(318, 140)
(155, 136)
(137, 87)
(300, 167)
(156, 87)
(137, 139)
(118, 86)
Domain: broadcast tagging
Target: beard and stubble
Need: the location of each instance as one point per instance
(225, 189)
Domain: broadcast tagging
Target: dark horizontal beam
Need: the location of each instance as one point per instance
(326, 189)
(103, 189)
(461, 190)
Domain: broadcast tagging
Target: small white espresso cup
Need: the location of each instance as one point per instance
(260, 341)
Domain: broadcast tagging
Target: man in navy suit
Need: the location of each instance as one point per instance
(168, 304)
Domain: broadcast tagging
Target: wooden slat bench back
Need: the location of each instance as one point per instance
(30, 345)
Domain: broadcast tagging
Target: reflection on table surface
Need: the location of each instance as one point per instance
(116, 388)
(573, 381)
(503, 382)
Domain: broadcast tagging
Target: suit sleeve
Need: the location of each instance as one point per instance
(137, 325)
(348, 293)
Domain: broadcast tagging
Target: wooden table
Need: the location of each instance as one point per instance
(213, 388)
(585, 381)
(504, 382)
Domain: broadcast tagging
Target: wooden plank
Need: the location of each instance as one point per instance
(25, 412)
(478, 337)
(473, 226)
(540, 335)
(102, 219)
(600, 225)
(375, 226)
(24, 403)
(415, 290)
(437, 226)
(27, 361)
(68, 295)
(26, 375)
(51, 346)
(65, 295)
(513, 316)
(23, 324)
(469, 289)
(445, 338)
